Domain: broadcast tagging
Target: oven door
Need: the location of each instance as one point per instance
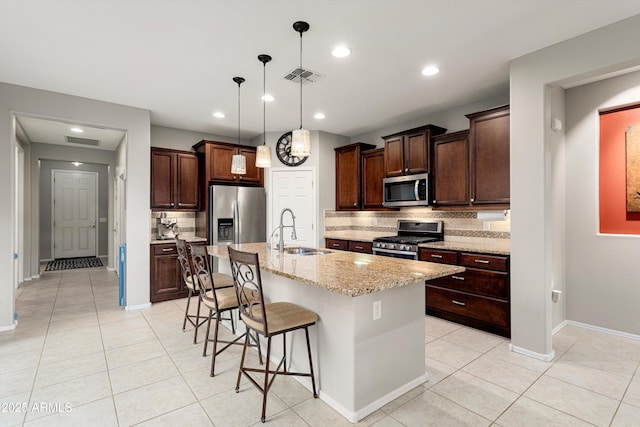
(395, 254)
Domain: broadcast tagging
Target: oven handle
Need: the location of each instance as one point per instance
(392, 251)
(415, 189)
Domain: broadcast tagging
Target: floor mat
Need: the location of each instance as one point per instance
(72, 263)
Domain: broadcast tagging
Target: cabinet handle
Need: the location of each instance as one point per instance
(459, 303)
(358, 247)
(335, 245)
(406, 169)
(458, 278)
(180, 204)
(240, 177)
(355, 204)
(473, 200)
(172, 204)
(167, 250)
(434, 202)
(436, 256)
(481, 261)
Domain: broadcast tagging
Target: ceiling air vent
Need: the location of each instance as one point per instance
(307, 76)
(83, 141)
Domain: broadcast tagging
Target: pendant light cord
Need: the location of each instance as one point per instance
(300, 75)
(264, 103)
(239, 83)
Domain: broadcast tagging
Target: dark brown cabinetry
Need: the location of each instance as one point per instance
(217, 163)
(408, 152)
(349, 176)
(174, 180)
(372, 176)
(166, 276)
(349, 245)
(451, 169)
(477, 297)
(489, 156)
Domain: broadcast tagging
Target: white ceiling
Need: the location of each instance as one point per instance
(55, 132)
(177, 58)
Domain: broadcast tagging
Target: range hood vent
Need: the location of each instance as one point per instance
(83, 141)
(306, 75)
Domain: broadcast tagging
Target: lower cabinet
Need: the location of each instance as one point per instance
(478, 297)
(349, 245)
(165, 274)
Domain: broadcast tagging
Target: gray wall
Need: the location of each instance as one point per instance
(180, 139)
(46, 232)
(603, 271)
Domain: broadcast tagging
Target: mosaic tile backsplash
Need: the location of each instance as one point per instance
(458, 226)
(186, 222)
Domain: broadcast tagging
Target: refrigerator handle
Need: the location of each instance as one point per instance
(236, 223)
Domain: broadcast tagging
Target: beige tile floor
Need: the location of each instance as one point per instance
(74, 346)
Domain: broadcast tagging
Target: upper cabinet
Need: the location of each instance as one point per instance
(349, 176)
(174, 180)
(489, 156)
(407, 152)
(217, 163)
(451, 169)
(372, 176)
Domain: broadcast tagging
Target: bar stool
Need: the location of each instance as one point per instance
(269, 320)
(218, 300)
(221, 280)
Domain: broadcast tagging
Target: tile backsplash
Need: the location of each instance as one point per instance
(186, 222)
(458, 225)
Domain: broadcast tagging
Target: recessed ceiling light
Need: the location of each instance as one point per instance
(76, 130)
(430, 70)
(218, 115)
(341, 52)
(319, 116)
(268, 98)
(76, 164)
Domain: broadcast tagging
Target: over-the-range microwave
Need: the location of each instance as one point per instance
(408, 190)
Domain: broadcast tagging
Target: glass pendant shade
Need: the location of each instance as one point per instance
(239, 164)
(300, 143)
(263, 156)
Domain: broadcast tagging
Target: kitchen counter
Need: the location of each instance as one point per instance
(348, 273)
(492, 246)
(368, 345)
(187, 239)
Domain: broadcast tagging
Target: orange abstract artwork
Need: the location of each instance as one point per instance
(633, 168)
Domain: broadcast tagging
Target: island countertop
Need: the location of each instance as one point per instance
(348, 273)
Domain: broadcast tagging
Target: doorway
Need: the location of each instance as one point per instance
(75, 207)
(294, 189)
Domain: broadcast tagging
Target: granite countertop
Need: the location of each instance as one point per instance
(348, 273)
(188, 239)
(489, 247)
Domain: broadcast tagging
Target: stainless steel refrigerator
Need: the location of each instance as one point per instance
(237, 214)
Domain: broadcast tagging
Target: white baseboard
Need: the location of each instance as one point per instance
(603, 330)
(559, 327)
(548, 357)
(137, 307)
(10, 327)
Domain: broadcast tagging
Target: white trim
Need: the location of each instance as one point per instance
(548, 357)
(137, 307)
(10, 327)
(603, 330)
(559, 327)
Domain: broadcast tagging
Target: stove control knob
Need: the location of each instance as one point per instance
(391, 246)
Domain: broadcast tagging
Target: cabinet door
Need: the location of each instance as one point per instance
(220, 163)
(166, 277)
(416, 153)
(187, 182)
(489, 140)
(451, 170)
(364, 247)
(372, 176)
(254, 174)
(394, 156)
(348, 179)
(162, 180)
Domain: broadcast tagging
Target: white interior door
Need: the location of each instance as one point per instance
(74, 213)
(294, 188)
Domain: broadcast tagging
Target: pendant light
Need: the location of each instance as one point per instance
(238, 161)
(263, 152)
(300, 140)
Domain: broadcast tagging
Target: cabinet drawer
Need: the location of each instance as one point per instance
(490, 283)
(435, 255)
(165, 249)
(342, 245)
(480, 308)
(364, 247)
(490, 262)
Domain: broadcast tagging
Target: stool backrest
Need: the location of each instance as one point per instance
(185, 262)
(247, 282)
(202, 273)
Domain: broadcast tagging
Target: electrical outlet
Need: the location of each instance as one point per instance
(486, 226)
(377, 310)
(375, 220)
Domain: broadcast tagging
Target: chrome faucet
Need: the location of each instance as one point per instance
(281, 227)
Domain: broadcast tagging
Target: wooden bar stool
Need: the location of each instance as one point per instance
(221, 281)
(269, 320)
(218, 300)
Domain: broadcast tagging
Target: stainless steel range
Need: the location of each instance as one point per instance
(410, 235)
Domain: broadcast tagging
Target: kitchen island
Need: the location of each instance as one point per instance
(361, 364)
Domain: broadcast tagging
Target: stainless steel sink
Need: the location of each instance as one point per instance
(306, 251)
